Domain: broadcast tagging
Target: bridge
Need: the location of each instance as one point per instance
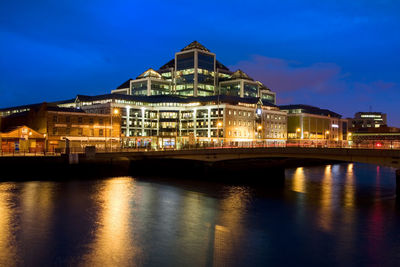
(390, 158)
(383, 157)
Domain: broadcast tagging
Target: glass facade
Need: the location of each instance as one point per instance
(268, 97)
(196, 72)
(139, 88)
(185, 61)
(160, 88)
(232, 89)
(205, 61)
(250, 89)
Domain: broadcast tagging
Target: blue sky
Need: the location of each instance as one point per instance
(341, 55)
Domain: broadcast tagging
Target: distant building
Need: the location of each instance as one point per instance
(382, 137)
(314, 126)
(368, 120)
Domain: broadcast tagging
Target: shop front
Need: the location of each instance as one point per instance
(22, 140)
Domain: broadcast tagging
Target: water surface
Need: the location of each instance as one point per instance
(343, 214)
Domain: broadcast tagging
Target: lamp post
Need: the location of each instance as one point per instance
(219, 124)
(327, 137)
(45, 144)
(298, 130)
(115, 111)
(349, 135)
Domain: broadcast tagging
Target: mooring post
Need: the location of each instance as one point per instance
(398, 183)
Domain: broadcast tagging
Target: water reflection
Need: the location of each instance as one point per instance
(7, 237)
(335, 211)
(114, 244)
(349, 187)
(229, 232)
(325, 219)
(299, 181)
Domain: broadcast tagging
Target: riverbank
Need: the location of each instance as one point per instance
(61, 167)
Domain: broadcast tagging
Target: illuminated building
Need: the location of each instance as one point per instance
(195, 72)
(21, 138)
(382, 137)
(368, 120)
(168, 120)
(310, 125)
(191, 100)
(59, 124)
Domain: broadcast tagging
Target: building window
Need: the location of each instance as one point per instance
(54, 130)
(68, 119)
(101, 133)
(80, 131)
(91, 120)
(101, 121)
(68, 131)
(54, 118)
(91, 132)
(80, 119)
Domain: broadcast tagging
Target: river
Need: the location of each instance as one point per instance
(341, 214)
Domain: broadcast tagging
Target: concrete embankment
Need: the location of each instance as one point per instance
(60, 167)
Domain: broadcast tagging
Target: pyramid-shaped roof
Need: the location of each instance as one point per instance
(195, 45)
(150, 73)
(239, 74)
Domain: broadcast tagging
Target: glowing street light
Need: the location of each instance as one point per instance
(219, 124)
(115, 111)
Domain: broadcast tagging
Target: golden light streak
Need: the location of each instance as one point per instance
(299, 181)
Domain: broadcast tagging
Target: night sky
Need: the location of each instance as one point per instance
(340, 55)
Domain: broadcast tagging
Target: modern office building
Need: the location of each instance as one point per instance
(168, 120)
(368, 120)
(313, 126)
(195, 71)
(193, 98)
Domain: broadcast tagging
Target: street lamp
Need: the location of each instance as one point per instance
(219, 124)
(327, 137)
(298, 130)
(115, 112)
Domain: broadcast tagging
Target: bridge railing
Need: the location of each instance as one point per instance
(200, 146)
